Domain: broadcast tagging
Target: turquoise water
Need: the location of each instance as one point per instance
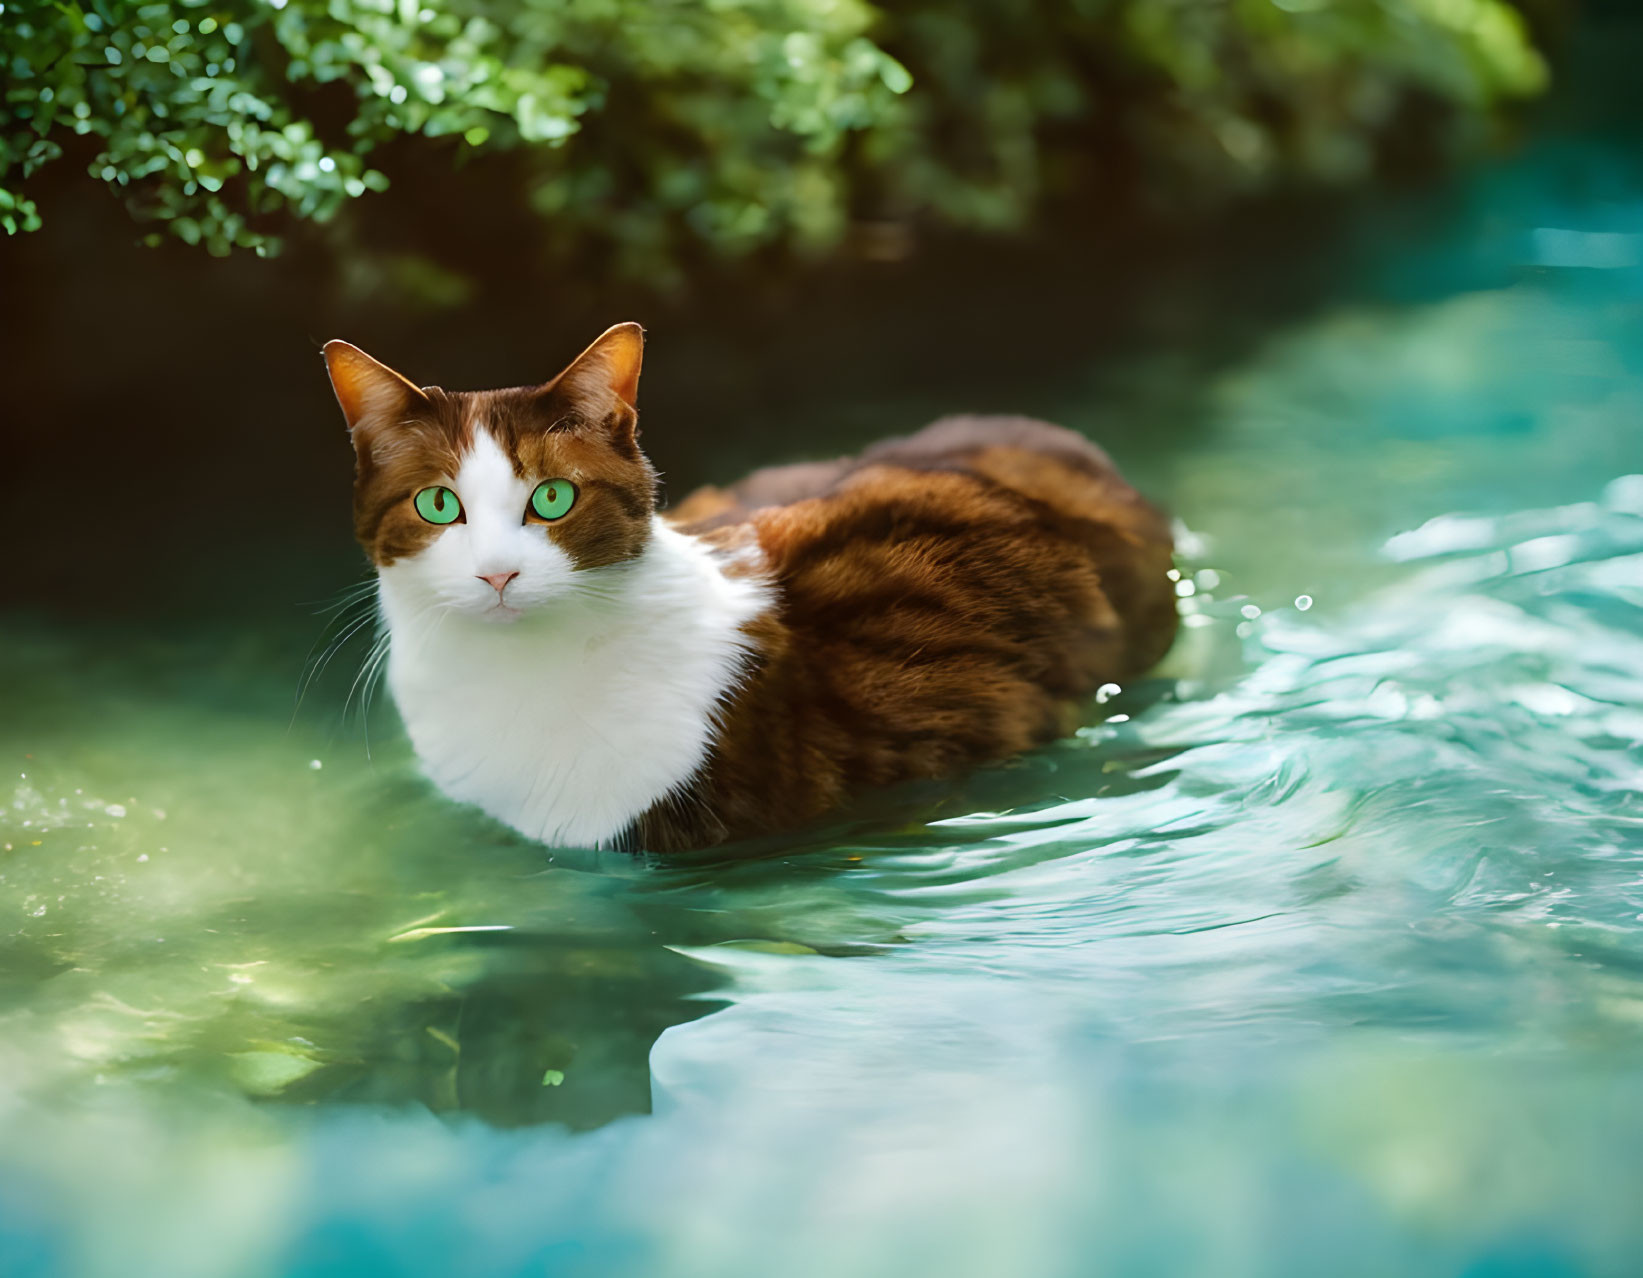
(1322, 954)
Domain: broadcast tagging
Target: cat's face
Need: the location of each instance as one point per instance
(498, 504)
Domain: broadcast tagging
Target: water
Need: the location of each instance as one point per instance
(1324, 953)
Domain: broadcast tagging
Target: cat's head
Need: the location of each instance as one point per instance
(496, 504)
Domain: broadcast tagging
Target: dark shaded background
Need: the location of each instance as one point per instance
(170, 417)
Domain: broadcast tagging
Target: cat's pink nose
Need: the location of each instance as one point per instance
(499, 580)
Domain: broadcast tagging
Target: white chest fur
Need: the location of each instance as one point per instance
(572, 721)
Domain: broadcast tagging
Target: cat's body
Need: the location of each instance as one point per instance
(571, 726)
(748, 660)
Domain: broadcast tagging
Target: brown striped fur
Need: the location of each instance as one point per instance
(945, 600)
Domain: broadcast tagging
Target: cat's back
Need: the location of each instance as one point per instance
(940, 601)
(1003, 525)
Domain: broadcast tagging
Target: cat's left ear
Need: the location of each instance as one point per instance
(602, 383)
(369, 392)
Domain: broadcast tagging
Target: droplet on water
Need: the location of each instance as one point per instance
(1303, 602)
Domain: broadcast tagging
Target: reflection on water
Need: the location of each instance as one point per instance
(1321, 951)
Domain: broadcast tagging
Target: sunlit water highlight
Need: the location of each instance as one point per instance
(1324, 953)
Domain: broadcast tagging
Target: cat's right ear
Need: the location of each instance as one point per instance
(371, 394)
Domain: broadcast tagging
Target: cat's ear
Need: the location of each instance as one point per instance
(370, 393)
(602, 383)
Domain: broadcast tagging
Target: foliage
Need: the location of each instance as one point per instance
(1196, 98)
(649, 124)
(209, 111)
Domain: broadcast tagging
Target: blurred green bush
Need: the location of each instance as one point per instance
(649, 127)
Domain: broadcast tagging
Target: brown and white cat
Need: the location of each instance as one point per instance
(592, 671)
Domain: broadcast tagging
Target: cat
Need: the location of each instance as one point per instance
(593, 671)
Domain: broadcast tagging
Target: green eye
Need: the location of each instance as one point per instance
(438, 505)
(553, 499)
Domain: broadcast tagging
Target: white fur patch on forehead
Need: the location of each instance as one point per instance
(485, 480)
